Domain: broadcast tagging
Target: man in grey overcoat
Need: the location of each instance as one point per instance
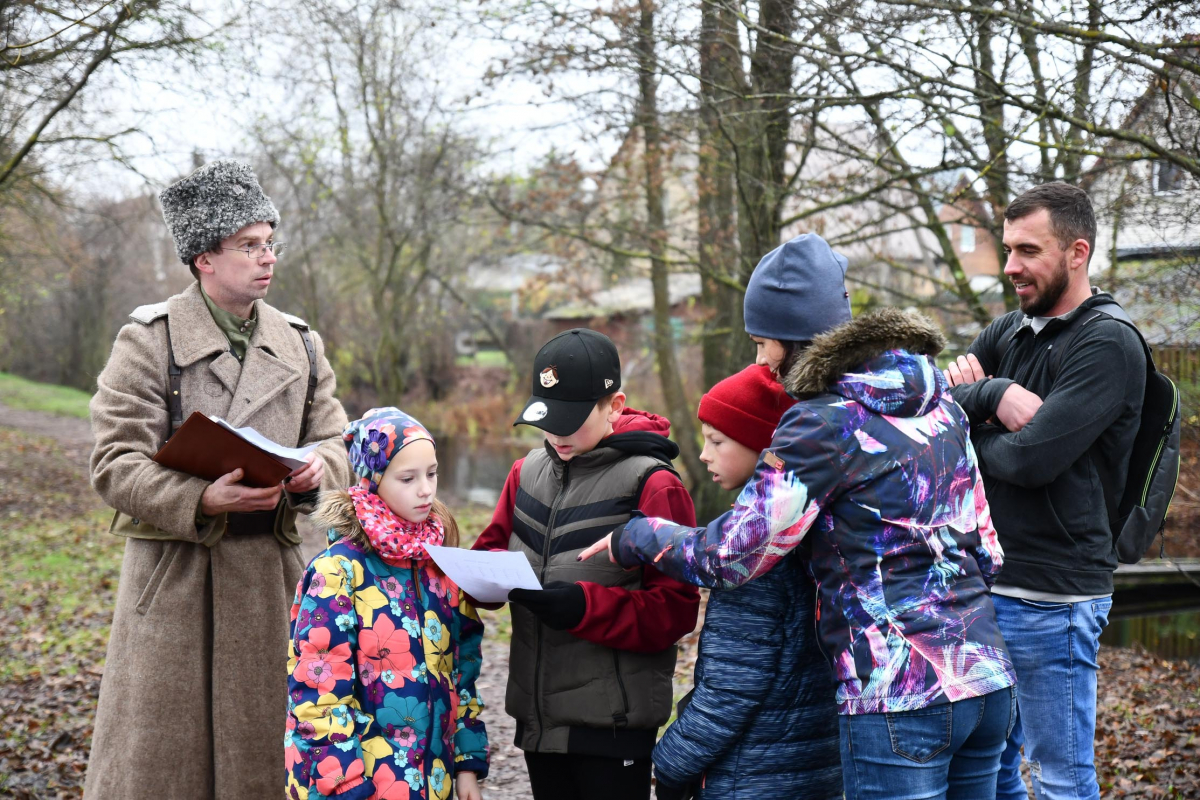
(193, 698)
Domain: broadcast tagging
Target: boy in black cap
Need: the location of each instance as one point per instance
(592, 653)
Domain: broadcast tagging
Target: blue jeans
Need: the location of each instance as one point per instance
(1053, 648)
(947, 751)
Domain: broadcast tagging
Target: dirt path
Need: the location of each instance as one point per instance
(73, 434)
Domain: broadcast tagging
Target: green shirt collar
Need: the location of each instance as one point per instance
(237, 330)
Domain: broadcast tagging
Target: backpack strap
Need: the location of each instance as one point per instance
(1103, 311)
(174, 387)
(306, 335)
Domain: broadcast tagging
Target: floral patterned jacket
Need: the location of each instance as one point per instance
(875, 467)
(381, 676)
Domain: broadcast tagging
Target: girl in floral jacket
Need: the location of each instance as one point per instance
(385, 649)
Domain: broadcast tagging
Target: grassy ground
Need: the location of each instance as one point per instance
(57, 591)
(17, 392)
(483, 358)
(56, 596)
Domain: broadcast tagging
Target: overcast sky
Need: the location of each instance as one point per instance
(209, 109)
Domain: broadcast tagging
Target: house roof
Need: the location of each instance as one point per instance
(1158, 250)
(510, 273)
(635, 296)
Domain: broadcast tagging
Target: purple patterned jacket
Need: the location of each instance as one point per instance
(874, 471)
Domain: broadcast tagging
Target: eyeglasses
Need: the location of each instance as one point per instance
(257, 251)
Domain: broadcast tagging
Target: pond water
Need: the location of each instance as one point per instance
(1174, 636)
(474, 470)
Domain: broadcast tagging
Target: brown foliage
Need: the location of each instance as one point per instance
(1148, 726)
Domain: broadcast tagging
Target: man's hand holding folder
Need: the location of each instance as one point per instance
(226, 494)
(247, 470)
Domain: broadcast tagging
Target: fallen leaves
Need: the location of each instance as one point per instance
(1148, 726)
(56, 596)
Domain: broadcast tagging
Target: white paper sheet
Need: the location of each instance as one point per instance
(486, 575)
(292, 456)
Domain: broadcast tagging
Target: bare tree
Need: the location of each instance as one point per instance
(377, 174)
(52, 51)
(1006, 96)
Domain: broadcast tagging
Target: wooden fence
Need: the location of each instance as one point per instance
(1175, 636)
(1180, 364)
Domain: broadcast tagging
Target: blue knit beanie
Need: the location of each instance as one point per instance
(797, 291)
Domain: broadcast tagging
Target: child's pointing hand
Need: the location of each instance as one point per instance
(603, 544)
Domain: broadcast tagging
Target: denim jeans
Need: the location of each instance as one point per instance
(1053, 648)
(947, 751)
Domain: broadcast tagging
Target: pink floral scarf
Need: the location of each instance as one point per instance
(396, 540)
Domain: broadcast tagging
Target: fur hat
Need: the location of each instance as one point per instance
(214, 202)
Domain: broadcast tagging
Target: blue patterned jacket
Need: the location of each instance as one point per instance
(876, 468)
(762, 720)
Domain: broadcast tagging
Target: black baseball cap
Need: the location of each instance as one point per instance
(570, 373)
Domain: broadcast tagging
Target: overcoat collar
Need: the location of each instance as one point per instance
(194, 332)
(259, 378)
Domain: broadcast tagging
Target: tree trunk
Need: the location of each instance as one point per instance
(763, 138)
(656, 233)
(991, 111)
(725, 345)
(1082, 98)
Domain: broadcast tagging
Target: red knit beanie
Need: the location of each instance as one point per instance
(746, 407)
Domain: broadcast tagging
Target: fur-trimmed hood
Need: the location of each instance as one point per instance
(877, 359)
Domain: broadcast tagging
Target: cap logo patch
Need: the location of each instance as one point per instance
(549, 377)
(607, 382)
(535, 412)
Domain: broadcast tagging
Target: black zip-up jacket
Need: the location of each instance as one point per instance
(1053, 484)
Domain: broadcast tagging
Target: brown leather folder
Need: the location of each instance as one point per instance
(203, 448)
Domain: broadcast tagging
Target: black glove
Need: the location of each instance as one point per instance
(671, 791)
(559, 605)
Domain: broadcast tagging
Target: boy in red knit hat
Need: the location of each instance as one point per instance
(762, 719)
(738, 418)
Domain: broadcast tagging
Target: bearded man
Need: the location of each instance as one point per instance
(1053, 432)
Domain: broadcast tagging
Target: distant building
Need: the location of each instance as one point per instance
(1148, 217)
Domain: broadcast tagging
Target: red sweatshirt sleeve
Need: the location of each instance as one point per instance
(664, 610)
(496, 535)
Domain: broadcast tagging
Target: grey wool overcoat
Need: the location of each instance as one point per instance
(193, 698)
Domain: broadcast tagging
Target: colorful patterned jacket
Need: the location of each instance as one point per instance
(875, 466)
(381, 677)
